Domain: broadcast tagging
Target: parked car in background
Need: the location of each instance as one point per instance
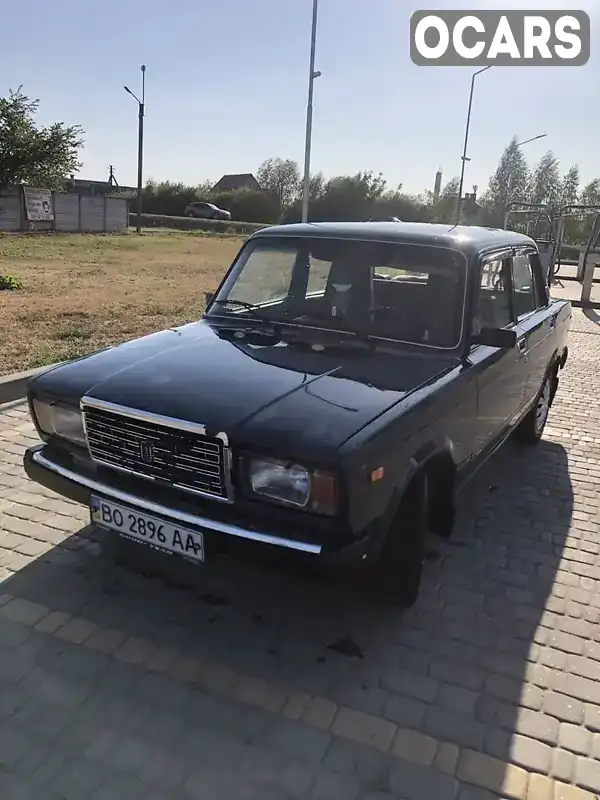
(206, 211)
(345, 380)
(385, 219)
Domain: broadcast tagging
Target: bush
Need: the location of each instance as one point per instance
(248, 205)
(171, 199)
(10, 283)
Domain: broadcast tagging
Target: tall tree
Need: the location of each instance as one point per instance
(316, 186)
(545, 185)
(510, 180)
(40, 156)
(445, 208)
(281, 178)
(590, 196)
(569, 190)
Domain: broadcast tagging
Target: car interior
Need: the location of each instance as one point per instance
(423, 307)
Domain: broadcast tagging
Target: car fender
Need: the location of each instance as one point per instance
(429, 453)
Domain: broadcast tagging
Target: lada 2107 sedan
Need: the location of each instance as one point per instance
(344, 381)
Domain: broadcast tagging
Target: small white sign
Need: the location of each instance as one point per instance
(38, 204)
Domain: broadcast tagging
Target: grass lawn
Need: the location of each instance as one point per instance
(82, 292)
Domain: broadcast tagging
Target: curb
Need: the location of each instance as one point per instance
(14, 387)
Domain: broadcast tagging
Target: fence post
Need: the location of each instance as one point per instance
(22, 215)
(78, 213)
(105, 221)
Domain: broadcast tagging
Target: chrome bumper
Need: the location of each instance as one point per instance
(171, 513)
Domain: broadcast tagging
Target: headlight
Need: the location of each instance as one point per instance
(293, 484)
(57, 420)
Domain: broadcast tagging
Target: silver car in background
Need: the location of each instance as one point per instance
(206, 211)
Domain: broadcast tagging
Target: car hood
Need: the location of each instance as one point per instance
(276, 397)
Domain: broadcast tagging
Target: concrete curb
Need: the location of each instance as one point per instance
(14, 387)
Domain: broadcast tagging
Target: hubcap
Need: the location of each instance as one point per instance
(543, 406)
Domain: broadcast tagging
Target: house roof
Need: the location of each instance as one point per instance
(236, 181)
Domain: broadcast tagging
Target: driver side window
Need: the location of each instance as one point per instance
(493, 303)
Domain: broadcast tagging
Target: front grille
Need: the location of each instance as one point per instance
(184, 459)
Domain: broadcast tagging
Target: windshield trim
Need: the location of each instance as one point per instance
(370, 239)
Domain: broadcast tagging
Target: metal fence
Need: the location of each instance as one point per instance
(76, 213)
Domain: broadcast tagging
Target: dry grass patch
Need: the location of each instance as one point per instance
(83, 292)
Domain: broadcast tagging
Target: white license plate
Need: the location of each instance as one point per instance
(142, 527)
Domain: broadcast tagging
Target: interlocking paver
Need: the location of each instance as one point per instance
(232, 686)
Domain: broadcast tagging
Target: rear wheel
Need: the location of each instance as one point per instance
(531, 429)
(396, 577)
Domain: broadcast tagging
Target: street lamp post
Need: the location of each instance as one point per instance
(141, 109)
(309, 112)
(464, 155)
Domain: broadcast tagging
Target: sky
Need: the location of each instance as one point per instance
(226, 87)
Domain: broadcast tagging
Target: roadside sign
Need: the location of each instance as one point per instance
(38, 204)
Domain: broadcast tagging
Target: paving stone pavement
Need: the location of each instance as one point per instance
(114, 684)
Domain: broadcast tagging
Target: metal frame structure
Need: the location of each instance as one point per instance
(550, 248)
(546, 245)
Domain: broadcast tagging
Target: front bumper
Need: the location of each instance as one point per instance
(219, 534)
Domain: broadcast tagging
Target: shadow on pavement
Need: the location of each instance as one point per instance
(465, 665)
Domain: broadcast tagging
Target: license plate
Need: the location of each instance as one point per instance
(142, 527)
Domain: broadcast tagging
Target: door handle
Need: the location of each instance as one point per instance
(522, 345)
(552, 322)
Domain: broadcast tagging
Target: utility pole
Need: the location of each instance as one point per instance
(464, 155)
(141, 110)
(309, 113)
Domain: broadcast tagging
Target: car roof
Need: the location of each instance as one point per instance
(467, 238)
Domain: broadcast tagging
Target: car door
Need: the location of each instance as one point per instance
(200, 210)
(501, 375)
(534, 321)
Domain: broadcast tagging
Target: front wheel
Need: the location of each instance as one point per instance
(396, 576)
(531, 429)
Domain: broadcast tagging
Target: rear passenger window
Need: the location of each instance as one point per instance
(539, 282)
(525, 300)
(493, 305)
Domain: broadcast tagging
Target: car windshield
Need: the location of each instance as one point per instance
(405, 292)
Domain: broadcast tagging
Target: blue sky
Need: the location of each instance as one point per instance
(227, 81)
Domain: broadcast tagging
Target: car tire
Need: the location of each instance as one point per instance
(396, 576)
(531, 429)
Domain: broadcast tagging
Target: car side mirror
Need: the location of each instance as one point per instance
(208, 296)
(496, 337)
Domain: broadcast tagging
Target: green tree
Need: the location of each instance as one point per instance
(167, 197)
(281, 178)
(316, 186)
(545, 185)
(590, 196)
(508, 183)
(569, 195)
(569, 189)
(444, 210)
(39, 156)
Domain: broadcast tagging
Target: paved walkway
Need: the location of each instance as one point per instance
(263, 684)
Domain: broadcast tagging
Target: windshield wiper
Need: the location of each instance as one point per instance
(254, 313)
(315, 332)
(241, 304)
